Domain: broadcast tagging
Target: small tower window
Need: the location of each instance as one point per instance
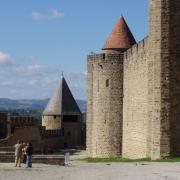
(107, 82)
(104, 55)
(55, 117)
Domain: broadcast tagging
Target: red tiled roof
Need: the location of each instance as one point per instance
(121, 37)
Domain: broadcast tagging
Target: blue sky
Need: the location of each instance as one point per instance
(41, 38)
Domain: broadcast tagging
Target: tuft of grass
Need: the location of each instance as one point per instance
(168, 159)
(120, 159)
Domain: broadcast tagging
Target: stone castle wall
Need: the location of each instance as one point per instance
(104, 113)
(135, 101)
(155, 91)
(148, 79)
(89, 119)
(159, 78)
(164, 67)
(20, 121)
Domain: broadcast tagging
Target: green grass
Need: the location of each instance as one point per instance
(113, 159)
(168, 159)
(120, 159)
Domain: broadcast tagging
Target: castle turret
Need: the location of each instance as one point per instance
(120, 38)
(61, 106)
(164, 77)
(105, 94)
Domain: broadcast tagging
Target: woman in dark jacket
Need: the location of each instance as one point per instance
(29, 150)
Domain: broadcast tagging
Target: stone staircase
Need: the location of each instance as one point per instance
(6, 156)
(7, 149)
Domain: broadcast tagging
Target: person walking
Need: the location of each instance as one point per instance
(29, 151)
(18, 153)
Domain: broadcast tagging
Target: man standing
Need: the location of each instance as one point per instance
(18, 154)
(29, 151)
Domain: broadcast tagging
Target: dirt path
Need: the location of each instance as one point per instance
(93, 171)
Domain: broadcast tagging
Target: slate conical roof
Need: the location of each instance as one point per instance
(62, 101)
(121, 37)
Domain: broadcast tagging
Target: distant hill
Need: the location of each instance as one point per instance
(29, 104)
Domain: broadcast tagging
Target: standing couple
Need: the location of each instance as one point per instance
(23, 150)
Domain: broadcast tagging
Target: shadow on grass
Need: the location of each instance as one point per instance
(120, 159)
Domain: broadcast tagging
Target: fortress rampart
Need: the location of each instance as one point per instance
(138, 49)
(143, 92)
(135, 101)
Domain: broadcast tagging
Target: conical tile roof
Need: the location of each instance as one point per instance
(121, 37)
(62, 101)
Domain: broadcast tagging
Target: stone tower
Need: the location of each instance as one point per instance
(138, 88)
(61, 107)
(105, 94)
(164, 77)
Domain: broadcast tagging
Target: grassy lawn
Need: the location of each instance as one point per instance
(120, 159)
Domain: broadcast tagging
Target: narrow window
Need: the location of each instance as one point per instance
(107, 82)
(104, 56)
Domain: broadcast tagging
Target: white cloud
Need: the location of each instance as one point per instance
(5, 59)
(36, 81)
(38, 16)
(77, 83)
(54, 14)
(6, 83)
(35, 69)
(42, 82)
(33, 82)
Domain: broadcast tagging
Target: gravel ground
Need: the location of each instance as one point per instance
(93, 171)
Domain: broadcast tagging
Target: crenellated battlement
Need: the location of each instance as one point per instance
(103, 56)
(23, 121)
(138, 48)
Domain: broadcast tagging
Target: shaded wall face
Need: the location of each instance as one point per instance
(175, 76)
(26, 134)
(3, 124)
(52, 143)
(51, 122)
(22, 121)
(72, 132)
(135, 105)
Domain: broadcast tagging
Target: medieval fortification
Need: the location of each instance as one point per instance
(134, 89)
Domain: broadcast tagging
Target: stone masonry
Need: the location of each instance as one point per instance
(135, 101)
(105, 133)
(133, 105)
